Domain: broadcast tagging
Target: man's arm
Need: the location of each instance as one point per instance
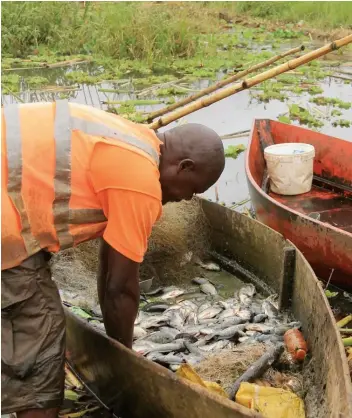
(118, 290)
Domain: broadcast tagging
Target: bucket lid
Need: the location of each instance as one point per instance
(289, 149)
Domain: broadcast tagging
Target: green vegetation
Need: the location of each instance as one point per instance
(315, 90)
(343, 123)
(268, 95)
(304, 117)
(324, 101)
(170, 91)
(325, 15)
(329, 294)
(233, 151)
(284, 119)
(130, 30)
(149, 30)
(134, 102)
(128, 111)
(36, 81)
(11, 82)
(336, 112)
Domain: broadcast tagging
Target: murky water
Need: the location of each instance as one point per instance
(233, 114)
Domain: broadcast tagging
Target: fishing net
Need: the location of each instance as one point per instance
(227, 366)
(180, 234)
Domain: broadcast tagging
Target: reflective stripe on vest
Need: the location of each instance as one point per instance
(63, 215)
(14, 184)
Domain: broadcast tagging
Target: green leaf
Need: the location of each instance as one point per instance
(71, 395)
(330, 294)
(80, 312)
(284, 119)
(232, 151)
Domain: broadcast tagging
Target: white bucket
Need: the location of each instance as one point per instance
(290, 167)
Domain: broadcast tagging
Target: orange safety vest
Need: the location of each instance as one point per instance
(48, 201)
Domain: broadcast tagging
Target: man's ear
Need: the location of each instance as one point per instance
(186, 165)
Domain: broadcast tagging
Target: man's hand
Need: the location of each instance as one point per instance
(118, 290)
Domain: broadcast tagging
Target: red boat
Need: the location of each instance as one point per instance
(319, 222)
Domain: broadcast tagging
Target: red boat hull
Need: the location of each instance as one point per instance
(326, 247)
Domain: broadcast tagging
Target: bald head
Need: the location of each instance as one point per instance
(192, 160)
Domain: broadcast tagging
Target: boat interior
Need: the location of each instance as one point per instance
(330, 199)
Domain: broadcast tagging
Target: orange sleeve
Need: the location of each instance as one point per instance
(131, 216)
(128, 189)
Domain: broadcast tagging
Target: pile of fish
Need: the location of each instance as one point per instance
(183, 327)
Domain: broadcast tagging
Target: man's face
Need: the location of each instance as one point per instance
(182, 182)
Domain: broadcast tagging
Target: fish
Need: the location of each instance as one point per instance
(208, 289)
(160, 337)
(227, 313)
(187, 337)
(210, 266)
(281, 329)
(273, 299)
(154, 292)
(176, 319)
(176, 345)
(170, 330)
(210, 312)
(251, 333)
(144, 347)
(218, 345)
(243, 339)
(189, 304)
(248, 290)
(165, 359)
(155, 307)
(192, 359)
(204, 306)
(259, 318)
(171, 292)
(192, 319)
(139, 332)
(228, 322)
(269, 309)
(227, 333)
(245, 314)
(154, 321)
(191, 296)
(245, 295)
(207, 331)
(193, 349)
(264, 329)
(199, 280)
(227, 304)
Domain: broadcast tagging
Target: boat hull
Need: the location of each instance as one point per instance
(327, 248)
(137, 388)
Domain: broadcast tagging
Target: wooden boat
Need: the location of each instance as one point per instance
(134, 387)
(319, 223)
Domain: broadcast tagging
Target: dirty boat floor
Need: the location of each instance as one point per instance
(226, 285)
(322, 204)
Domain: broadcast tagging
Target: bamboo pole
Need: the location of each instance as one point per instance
(222, 83)
(250, 82)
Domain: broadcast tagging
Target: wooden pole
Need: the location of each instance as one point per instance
(222, 83)
(266, 75)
